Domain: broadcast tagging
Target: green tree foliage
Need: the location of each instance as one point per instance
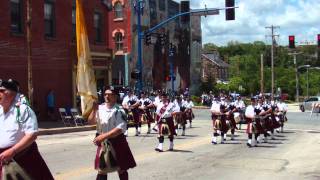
(244, 70)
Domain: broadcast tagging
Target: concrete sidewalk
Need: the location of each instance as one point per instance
(57, 127)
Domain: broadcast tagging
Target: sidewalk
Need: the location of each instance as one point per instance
(57, 127)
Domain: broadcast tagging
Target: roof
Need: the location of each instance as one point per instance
(215, 58)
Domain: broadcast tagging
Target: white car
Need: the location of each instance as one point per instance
(307, 104)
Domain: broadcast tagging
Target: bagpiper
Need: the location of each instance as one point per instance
(145, 106)
(130, 104)
(165, 112)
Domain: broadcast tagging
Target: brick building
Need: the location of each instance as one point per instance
(119, 32)
(53, 47)
(214, 66)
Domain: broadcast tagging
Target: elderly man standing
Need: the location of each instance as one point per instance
(18, 133)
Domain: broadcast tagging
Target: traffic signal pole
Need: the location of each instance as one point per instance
(139, 5)
(171, 54)
(139, 9)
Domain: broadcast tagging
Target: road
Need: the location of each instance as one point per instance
(293, 155)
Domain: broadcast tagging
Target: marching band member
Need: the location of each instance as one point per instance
(216, 120)
(165, 111)
(240, 109)
(250, 114)
(145, 106)
(180, 116)
(112, 125)
(131, 103)
(188, 104)
(282, 111)
(18, 132)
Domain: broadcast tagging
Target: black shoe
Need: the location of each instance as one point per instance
(159, 150)
(249, 145)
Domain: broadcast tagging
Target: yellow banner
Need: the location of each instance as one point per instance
(86, 81)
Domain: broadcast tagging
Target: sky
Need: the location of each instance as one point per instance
(300, 18)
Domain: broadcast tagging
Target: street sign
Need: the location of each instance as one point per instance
(212, 11)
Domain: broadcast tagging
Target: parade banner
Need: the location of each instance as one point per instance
(86, 82)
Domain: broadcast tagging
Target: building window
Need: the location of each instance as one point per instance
(119, 41)
(49, 19)
(16, 16)
(118, 10)
(162, 5)
(98, 26)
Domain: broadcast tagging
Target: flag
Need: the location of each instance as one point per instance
(86, 82)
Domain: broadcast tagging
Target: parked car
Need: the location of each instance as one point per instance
(307, 104)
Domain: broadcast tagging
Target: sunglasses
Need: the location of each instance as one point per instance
(2, 90)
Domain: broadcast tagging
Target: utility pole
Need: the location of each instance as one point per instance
(261, 74)
(297, 76)
(29, 51)
(307, 82)
(272, 58)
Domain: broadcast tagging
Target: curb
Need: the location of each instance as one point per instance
(66, 130)
(201, 107)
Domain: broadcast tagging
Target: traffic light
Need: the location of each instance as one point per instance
(135, 74)
(147, 39)
(291, 42)
(230, 12)
(185, 7)
(318, 39)
(162, 39)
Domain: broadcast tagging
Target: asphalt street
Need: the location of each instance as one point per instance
(293, 155)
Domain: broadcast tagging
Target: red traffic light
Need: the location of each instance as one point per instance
(291, 42)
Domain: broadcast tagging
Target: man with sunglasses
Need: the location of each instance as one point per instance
(18, 133)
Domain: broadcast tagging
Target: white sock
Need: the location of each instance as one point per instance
(160, 146)
(171, 145)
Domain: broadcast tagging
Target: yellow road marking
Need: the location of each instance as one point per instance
(152, 154)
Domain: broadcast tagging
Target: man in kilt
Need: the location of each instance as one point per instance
(165, 112)
(145, 106)
(111, 126)
(131, 104)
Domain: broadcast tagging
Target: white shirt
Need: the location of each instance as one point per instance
(157, 100)
(144, 100)
(126, 100)
(249, 111)
(177, 106)
(169, 109)
(110, 118)
(12, 129)
(239, 104)
(188, 105)
(282, 106)
(215, 106)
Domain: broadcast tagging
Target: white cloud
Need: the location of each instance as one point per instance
(295, 17)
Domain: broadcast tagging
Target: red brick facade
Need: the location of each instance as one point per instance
(121, 25)
(52, 58)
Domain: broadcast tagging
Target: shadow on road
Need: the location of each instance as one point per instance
(178, 150)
